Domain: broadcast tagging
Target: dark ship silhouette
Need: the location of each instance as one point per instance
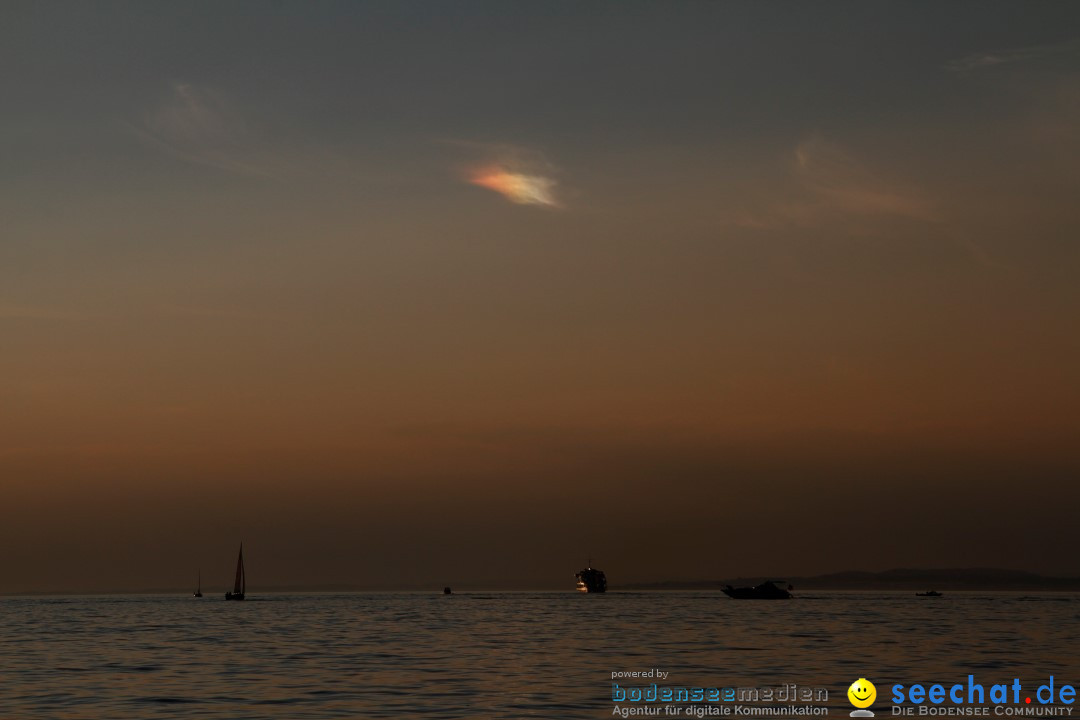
(768, 590)
(591, 580)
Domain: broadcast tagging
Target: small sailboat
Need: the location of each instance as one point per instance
(198, 585)
(239, 585)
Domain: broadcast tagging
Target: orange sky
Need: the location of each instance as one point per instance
(717, 313)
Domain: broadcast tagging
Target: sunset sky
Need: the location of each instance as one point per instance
(410, 294)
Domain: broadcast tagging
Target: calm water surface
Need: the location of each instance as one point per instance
(499, 655)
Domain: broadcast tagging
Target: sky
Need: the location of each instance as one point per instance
(413, 294)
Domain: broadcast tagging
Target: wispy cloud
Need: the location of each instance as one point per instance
(201, 125)
(842, 182)
(826, 184)
(195, 114)
(983, 60)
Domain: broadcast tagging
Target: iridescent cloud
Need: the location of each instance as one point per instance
(517, 187)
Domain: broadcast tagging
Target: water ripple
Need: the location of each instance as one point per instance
(493, 655)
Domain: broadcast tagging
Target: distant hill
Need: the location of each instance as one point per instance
(898, 579)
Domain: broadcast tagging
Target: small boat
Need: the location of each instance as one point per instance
(591, 580)
(240, 583)
(768, 590)
(929, 593)
(198, 585)
(447, 591)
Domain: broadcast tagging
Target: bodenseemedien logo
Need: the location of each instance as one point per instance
(862, 694)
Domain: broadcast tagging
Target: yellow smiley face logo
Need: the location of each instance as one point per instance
(862, 693)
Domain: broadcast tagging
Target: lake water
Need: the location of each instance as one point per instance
(501, 655)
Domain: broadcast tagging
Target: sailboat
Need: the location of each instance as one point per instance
(198, 586)
(239, 585)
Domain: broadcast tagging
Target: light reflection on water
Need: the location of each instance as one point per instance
(500, 655)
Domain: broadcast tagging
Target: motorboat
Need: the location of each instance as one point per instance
(768, 590)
